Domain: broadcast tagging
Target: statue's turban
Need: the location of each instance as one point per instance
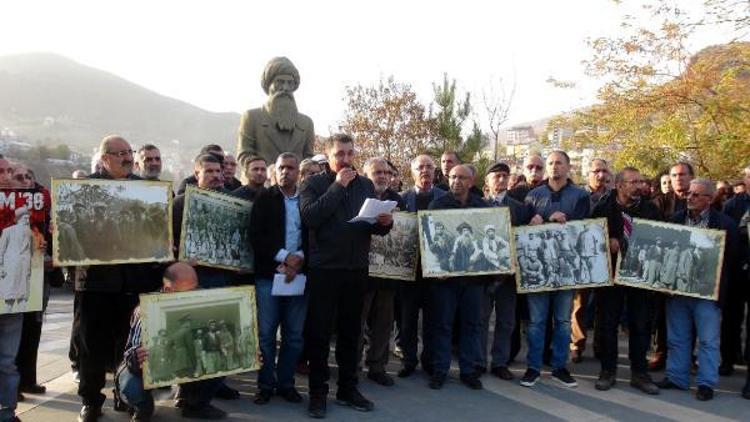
(275, 67)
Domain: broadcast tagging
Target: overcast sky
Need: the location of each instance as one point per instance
(212, 53)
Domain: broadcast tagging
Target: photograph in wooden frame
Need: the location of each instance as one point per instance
(394, 256)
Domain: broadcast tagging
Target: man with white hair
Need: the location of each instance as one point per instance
(277, 126)
(149, 162)
(689, 316)
(533, 170)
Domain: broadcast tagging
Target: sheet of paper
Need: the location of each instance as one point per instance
(294, 288)
(371, 208)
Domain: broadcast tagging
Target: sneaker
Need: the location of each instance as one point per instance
(263, 396)
(704, 393)
(208, 412)
(606, 381)
(644, 383)
(291, 395)
(437, 380)
(563, 377)
(353, 398)
(530, 378)
(406, 371)
(380, 378)
(502, 372)
(317, 406)
(472, 381)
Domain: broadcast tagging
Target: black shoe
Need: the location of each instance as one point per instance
(644, 383)
(606, 381)
(530, 377)
(562, 376)
(724, 370)
(502, 372)
(406, 371)
(203, 412)
(226, 392)
(667, 384)
(380, 378)
(704, 393)
(263, 396)
(353, 398)
(290, 394)
(472, 381)
(746, 389)
(142, 414)
(317, 406)
(90, 413)
(437, 380)
(33, 389)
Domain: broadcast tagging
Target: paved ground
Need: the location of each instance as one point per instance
(410, 399)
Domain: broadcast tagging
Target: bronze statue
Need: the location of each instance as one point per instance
(276, 127)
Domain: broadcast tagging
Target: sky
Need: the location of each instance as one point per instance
(211, 53)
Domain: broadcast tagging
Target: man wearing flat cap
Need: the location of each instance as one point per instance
(276, 127)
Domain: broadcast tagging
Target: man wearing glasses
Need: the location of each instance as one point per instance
(107, 295)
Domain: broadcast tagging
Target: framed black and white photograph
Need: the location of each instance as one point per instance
(198, 335)
(394, 255)
(673, 258)
(556, 256)
(468, 241)
(101, 221)
(215, 230)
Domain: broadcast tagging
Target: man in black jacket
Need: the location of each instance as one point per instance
(378, 312)
(107, 296)
(338, 260)
(620, 206)
(458, 295)
(279, 242)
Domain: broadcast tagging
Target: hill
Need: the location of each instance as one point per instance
(51, 99)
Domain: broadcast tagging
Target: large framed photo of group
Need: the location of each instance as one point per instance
(394, 255)
(556, 256)
(198, 335)
(673, 258)
(102, 221)
(215, 230)
(465, 242)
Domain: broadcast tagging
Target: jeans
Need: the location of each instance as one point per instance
(335, 300)
(11, 326)
(377, 325)
(131, 390)
(289, 312)
(684, 314)
(610, 302)
(415, 296)
(451, 298)
(502, 298)
(561, 303)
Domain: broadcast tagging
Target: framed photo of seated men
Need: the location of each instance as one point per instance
(673, 258)
(556, 256)
(215, 230)
(394, 255)
(198, 335)
(101, 221)
(23, 221)
(465, 242)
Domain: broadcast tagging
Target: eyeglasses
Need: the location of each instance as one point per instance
(121, 154)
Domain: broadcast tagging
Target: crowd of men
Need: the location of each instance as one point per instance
(302, 205)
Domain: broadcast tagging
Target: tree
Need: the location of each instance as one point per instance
(450, 118)
(497, 101)
(661, 103)
(387, 120)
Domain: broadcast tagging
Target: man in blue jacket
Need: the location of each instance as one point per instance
(556, 200)
(338, 262)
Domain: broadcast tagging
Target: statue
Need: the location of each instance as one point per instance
(276, 127)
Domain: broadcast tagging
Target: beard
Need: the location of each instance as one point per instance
(283, 110)
(380, 188)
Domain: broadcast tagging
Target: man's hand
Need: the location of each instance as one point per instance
(140, 355)
(558, 217)
(384, 219)
(614, 246)
(294, 261)
(345, 176)
(536, 220)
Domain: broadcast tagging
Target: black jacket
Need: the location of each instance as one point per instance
(719, 221)
(268, 231)
(669, 204)
(121, 278)
(246, 192)
(607, 207)
(520, 213)
(326, 207)
(738, 209)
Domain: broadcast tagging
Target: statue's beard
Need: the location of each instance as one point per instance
(283, 110)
